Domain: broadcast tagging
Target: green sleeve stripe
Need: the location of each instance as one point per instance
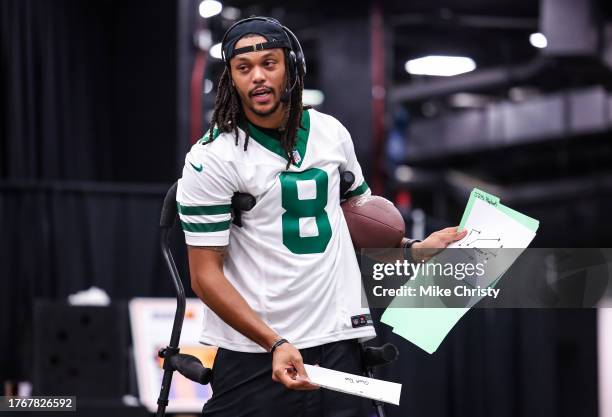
(204, 140)
(200, 210)
(357, 191)
(205, 227)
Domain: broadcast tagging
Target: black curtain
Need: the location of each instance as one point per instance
(502, 363)
(88, 94)
(53, 113)
(88, 90)
(60, 238)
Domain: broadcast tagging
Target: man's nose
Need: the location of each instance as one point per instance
(258, 74)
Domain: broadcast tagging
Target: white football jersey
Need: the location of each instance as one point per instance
(292, 259)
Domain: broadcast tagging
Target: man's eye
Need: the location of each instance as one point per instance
(270, 63)
(242, 68)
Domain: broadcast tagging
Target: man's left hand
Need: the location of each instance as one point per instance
(436, 243)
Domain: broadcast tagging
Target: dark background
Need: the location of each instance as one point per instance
(96, 117)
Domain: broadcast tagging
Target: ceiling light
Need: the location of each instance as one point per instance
(443, 66)
(538, 40)
(208, 86)
(312, 97)
(210, 8)
(404, 173)
(215, 51)
(203, 39)
(521, 93)
(230, 13)
(468, 100)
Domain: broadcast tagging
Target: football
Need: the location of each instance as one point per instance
(374, 222)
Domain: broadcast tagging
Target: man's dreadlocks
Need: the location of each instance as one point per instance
(228, 114)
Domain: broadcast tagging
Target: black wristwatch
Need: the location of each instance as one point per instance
(407, 248)
(277, 344)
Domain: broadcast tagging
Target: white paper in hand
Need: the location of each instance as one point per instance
(375, 389)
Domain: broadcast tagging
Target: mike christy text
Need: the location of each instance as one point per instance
(435, 291)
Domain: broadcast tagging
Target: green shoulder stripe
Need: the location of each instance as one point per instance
(357, 191)
(205, 138)
(205, 227)
(200, 210)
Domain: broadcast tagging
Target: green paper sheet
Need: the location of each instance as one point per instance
(428, 327)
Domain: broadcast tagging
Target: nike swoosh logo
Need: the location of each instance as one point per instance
(198, 168)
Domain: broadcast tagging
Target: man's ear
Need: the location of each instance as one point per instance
(229, 74)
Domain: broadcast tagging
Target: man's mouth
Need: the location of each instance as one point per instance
(261, 95)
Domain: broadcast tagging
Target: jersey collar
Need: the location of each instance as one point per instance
(273, 145)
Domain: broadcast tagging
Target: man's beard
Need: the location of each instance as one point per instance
(266, 112)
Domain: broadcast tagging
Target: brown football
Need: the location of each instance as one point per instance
(374, 222)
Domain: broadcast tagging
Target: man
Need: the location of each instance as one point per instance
(281, 289)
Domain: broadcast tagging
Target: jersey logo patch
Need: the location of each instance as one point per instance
(198, 168)
(296, 156)
(362, 320)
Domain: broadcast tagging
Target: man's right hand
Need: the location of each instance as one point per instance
(288, 368)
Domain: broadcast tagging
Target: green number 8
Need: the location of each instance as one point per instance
(296, 209)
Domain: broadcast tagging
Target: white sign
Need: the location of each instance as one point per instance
(151, 320)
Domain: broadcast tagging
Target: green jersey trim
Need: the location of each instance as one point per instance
(357, 191)
(205, 227)
(273, 145)
(200, 210)
(205, 140)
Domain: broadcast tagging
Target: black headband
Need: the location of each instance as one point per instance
(269, 28)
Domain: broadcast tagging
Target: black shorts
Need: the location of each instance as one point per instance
(242, 385)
